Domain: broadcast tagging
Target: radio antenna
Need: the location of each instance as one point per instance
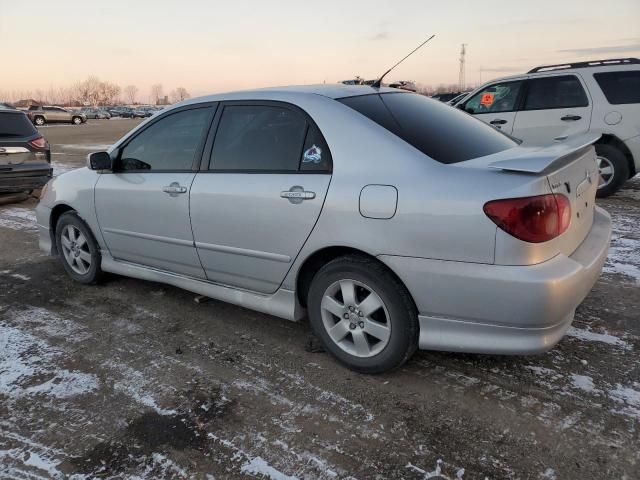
(378, 82)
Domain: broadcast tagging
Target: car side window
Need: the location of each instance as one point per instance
(315, 153)
(496, 98)
(555, 92)
(168, 144)
(620, 87)
(258, 138)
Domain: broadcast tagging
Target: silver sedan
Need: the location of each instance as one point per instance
(392, 221)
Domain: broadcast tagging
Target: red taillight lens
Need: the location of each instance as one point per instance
(532, 219)
(39, 142)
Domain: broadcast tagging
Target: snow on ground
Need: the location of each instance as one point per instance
(18, 218)
(590, 336)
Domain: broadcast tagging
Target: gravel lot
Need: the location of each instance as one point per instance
(132, 379)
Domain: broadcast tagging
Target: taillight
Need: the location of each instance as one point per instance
(532, 219)
(39, 142)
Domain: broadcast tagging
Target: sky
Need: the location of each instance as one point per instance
(214, 46)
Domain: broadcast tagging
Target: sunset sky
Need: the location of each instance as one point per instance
(212, 46)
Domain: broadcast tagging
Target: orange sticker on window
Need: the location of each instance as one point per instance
(487, 99)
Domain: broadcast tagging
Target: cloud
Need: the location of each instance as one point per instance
(380, 36)
(632, 47)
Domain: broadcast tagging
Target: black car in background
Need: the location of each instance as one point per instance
(25, 156)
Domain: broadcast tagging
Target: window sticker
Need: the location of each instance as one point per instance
(487, 99)
(313, 155)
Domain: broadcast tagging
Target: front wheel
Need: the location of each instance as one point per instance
(39, 121)
(77, 248)
(76, 120)
(613, 167)
(363, 314)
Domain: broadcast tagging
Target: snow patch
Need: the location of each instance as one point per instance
(27, 367)
(258, 466)
(584, 382)
(18, 218)
(629, 396)
(590, 336)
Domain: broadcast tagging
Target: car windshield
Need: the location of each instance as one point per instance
(440, 131)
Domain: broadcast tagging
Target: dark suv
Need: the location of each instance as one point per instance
(25, 157)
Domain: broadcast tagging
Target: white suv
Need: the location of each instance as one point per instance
(551, 103)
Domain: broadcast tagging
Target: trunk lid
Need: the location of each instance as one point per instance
(572, 171)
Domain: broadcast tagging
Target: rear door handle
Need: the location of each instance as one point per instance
(570, 118)
(498, 121)
(174, 189)
(297, 194)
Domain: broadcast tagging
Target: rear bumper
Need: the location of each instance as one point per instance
(498, 309)
(633, 144)
(21, 180)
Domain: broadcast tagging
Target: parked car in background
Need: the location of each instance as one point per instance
(404, 85)
(7, 105)
(395, 221)
(552, 103)
(455, 100)
(445, 97)
(41, 115)
(95, 113)
(25, 157)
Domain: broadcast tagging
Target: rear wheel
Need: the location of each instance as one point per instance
(614, 170)
(363, 315)
(76, 120)
(78, 250)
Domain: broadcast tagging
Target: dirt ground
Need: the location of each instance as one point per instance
(132, 379)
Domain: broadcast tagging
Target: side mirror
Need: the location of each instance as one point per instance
(99, 161)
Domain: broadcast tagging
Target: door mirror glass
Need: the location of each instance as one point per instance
(99, 161)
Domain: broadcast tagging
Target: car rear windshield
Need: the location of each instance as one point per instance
(13, 124)
(620, 87)
(444, 133)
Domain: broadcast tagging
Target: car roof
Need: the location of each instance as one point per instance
(334, 91)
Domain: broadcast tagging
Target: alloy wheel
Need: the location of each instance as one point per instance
(75, 249)
(355, 318)
(606, 171)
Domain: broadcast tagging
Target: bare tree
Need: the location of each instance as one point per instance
(130, 92)
(156, 93)
(179, 94)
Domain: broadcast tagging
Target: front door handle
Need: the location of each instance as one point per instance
(498, 121)
(570, 118)
(297, 194)
(174, 189)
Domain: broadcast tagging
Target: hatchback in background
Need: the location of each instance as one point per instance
(25, 158)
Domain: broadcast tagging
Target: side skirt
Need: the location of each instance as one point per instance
(283, 303)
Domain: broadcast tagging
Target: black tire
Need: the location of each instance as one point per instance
(94, 272)
(39, 120)
(402, 313)
(76, 120)
(608, 154)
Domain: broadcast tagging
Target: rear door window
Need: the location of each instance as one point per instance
(14, 124)
(260, 138)
(555, 92)
(444, 133)
(620, 87)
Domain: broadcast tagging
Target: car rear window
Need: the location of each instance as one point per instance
(444, 133)
(14, 124)
(620, 87)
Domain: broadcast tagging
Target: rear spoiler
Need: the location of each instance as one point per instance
(537, 160)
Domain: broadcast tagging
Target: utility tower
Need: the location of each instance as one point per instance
(461, 79)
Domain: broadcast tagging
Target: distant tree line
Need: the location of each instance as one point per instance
(93, 92)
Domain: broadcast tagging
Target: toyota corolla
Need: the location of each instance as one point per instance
(391, 220)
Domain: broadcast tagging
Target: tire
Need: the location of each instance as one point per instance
(76, 120)
(80, 258)
(614, 169)
(39, 121)
(389, 328)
